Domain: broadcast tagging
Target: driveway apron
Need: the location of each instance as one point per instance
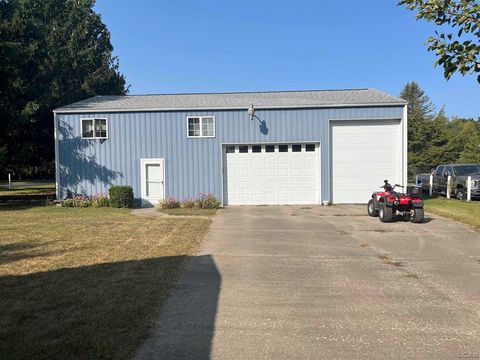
(283, 282)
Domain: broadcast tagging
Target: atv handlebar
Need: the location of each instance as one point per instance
(394, 186)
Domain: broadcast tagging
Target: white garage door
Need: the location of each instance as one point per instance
(272, 174)
(364, 153)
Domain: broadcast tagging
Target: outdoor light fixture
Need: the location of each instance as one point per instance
(251, 112)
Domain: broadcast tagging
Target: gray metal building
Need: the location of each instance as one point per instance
(292, 147)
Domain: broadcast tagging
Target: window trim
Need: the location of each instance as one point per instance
(94, 120)
(201, 127)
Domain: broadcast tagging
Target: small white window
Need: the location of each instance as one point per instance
(94, 128)
(201, 126)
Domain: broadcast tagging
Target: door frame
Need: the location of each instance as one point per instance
(144, 199)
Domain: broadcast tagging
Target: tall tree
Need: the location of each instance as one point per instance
(459, 48)
(53, 52)
(420, 112)
(438, 148)
(419, 104)
(2, 157)
(471, 143)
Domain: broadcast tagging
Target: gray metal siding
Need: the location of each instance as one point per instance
(192, 165)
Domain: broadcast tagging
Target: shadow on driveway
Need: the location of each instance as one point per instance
(186, 326)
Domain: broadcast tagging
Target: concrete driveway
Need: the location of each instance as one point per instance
(324, 282)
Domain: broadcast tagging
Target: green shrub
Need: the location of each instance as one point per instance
(121, 196)
(68, 203)
(170, 203)
(100, 200)
(207, 201)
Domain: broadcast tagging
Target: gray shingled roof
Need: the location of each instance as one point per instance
(240, 100)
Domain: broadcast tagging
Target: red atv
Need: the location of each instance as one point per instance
(388, 203)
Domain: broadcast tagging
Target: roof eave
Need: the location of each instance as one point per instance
(85, 111)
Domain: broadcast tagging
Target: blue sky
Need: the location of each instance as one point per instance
(245, 45)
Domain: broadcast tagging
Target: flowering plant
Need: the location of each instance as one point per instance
(189, 203)
(170, 203)
(98, 200)
(207, 201)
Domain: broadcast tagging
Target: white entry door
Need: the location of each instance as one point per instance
(272, 174)
(364, 153)
(153, 181)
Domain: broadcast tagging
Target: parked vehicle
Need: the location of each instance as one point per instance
(458, 185)
(388, 203)
(423, 180)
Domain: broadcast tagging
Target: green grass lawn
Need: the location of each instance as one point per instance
(189, 212)
(465, 212)
(86, 283)
(28, 188)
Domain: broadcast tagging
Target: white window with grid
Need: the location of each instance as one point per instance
(200, 126)
(94, 128)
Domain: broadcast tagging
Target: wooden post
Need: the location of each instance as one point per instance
(9, 181)
(449, 181)
(469, 188)
(431, 185)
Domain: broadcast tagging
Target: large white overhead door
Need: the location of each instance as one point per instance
(364, 153)
(272, 174)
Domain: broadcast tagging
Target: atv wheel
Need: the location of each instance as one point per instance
(371, 210)
(385, 213)
(460, 195)
(417, 216)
